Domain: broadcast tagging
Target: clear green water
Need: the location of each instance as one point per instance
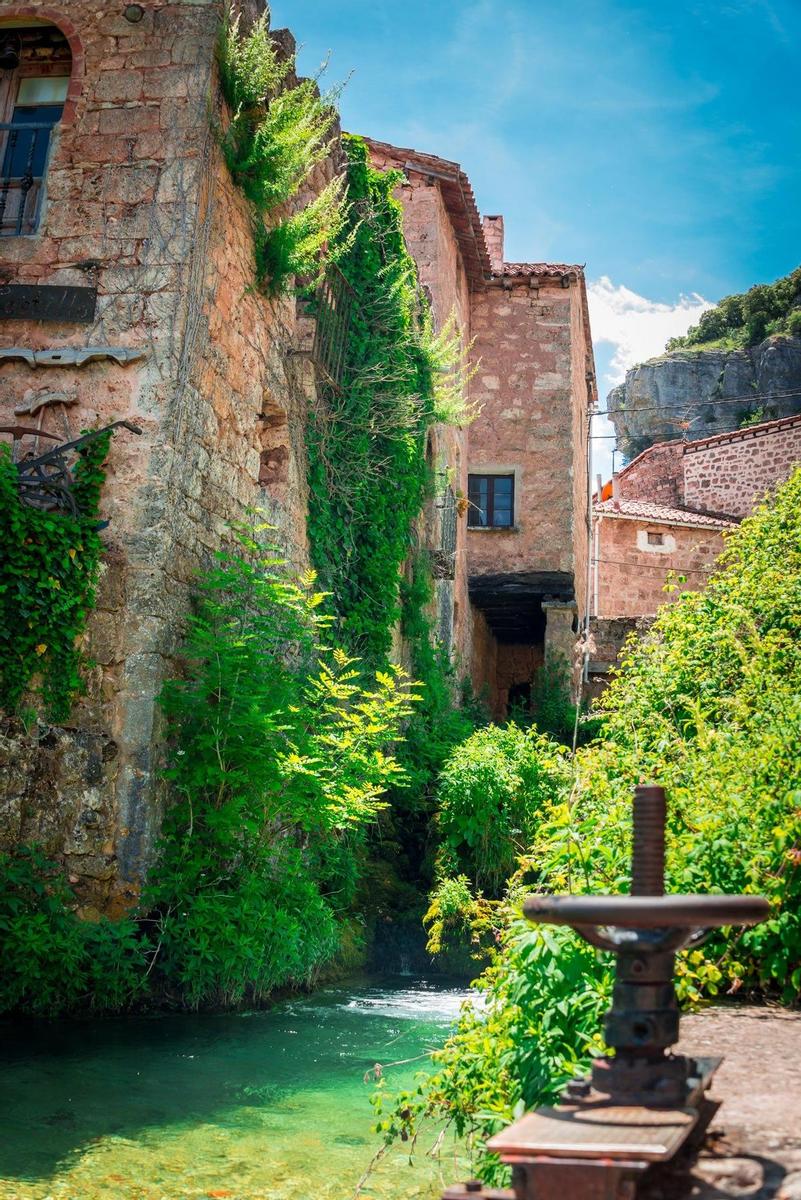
(248, 1106)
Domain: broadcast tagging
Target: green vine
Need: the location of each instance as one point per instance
(366, 441)
(48, 575)
(275, 137)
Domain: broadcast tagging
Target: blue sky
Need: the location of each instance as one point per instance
(656, 142)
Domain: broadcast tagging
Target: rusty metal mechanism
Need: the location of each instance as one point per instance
(642, 1104)
(45, 480)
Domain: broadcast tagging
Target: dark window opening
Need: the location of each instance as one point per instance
(491, 500)
(519, 699)
(656, 539)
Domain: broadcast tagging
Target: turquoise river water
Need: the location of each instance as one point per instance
(248, 1106)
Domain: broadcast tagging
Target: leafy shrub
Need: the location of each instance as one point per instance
(708, 704)
(276, 135)
(280, 760)
(53, 962)
(793, 323)
(455, 917)
(49, 566)
(492, 792)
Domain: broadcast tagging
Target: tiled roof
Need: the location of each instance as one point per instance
(748, 432)
(661, 514)
(541, 269)
(460, 202)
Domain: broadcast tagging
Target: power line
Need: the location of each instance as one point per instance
(688, 407)
(620, 562)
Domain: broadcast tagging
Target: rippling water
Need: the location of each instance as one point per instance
(249, 1106)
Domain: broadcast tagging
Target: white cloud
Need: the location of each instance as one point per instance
(634, 329)
(637, 328)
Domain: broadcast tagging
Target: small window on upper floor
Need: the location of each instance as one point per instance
(32, 97)
(492, 501)
(656, 539)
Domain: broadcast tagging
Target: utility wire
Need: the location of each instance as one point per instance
(688, 406)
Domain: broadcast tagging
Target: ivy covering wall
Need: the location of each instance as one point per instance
(367, 439)
(49, 563)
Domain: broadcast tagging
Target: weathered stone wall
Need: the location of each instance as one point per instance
(139, 203)
(656, 475)
(730, 473)
(631, 576)
(529, 424)
(483, 659)
(608, 636)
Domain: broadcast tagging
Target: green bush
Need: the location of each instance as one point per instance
(708, 704)
(280, 760)
(492, 793)
(53, 962)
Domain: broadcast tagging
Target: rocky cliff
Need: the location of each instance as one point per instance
(694, 393)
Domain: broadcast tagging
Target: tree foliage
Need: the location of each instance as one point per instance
(748, 317)
(709, 705)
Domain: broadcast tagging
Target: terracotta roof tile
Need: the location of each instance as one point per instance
(541, 269)
(746, 433)
(662, 514)
(459, 199)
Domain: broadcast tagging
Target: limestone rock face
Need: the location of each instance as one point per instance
(678, 395)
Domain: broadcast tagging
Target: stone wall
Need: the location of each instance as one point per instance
(608, 636)
(523, 340)
(656, 475)
(730, 473)
(140, 205)
(630, 575)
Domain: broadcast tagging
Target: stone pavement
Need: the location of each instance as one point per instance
(753, 1147)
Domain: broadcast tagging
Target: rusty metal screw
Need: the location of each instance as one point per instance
(648, 850)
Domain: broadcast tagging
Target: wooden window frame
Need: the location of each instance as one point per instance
(472, 513)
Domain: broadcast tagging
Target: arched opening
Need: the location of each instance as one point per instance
(35, 73)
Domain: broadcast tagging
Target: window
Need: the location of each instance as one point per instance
(32, 98)
(491, 501)
(656, 539)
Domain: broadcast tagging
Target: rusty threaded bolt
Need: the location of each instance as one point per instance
(648, 845)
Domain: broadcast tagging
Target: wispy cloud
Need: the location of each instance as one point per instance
(637, 328)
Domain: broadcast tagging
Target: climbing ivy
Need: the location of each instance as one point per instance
(48, 573)
(366, 439)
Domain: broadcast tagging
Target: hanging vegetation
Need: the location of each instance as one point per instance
(277, 133)
(367, 437)
(49, 564)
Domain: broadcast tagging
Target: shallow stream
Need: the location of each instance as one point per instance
(248, 1106)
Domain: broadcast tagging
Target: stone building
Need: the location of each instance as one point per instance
(520, 581)
(664, 516)
(134, 243)
(126, 272)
